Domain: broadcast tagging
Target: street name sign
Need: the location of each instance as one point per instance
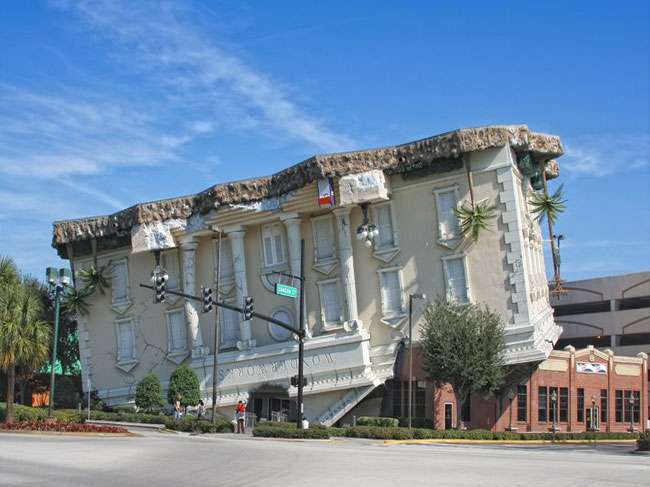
(284, 290)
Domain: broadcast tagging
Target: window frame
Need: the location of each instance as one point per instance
(522, 403)
(449, 240)
(386, 253)
(542, 405)
(118, 304)
(392, 318)
(619, 407)
(283, 239)
(445, 263)
(227, 283)
(126, 363)
(176, 355)
(331, 325)
(580, 405)
(324, 264)
(223, 343)
(270, 326)
(170, 298)
(563, 402)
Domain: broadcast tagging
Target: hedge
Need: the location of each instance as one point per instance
(643, 443)
(378, 421)
(289, 424)
(130, 417)
(264, 431)
(189, 425)
(333, 431)
(27, 413)
(389, 433)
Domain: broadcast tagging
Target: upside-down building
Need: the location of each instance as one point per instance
(356, 290)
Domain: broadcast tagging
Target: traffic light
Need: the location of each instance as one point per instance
(160, 279)
(295, 381)
(248, 308)
(207, 299)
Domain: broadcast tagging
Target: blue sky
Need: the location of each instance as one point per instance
(106, 104)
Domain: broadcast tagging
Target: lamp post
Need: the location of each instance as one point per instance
(631, 401)
(593, 421)
(216, 330)
(554, 403)
(367, 230)
(411, 298)
(57, 280)
(511, 396)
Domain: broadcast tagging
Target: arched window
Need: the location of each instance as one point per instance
(277, 332)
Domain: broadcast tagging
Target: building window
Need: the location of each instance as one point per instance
(120, 286)
(324, 248)
(227, 268)
(126, 354)
(397, 398)
(229, 327)
(420, 399)
(552, 406)
(603, 405)
(581, 406)
(278, 333)
(637, 406)
(632, 411)
(330, 302)
(273, 243)
(171, 265)
(564, 405)
(446, 201)
(387, 242)
(392, 297)
(177, 331)
(542, 405)
(618, 412)
(522, 403)
(456, 278)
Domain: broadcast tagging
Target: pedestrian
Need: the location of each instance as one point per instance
(177, 408)
(241, 416)
(200, 411)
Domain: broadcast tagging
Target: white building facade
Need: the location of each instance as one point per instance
(356, 297)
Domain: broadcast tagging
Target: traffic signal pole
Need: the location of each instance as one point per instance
(301, 336)
(216, 336)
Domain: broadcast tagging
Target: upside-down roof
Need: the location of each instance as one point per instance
(396, 159)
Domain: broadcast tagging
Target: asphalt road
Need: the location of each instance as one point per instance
(171, 460)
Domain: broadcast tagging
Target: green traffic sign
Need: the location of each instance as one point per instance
(284, 290)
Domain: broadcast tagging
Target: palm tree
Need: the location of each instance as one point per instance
(473, 217)
(24, 337)
(74, 301)
(96, 278)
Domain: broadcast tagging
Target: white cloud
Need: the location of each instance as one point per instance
(157, 39)
(603, 155)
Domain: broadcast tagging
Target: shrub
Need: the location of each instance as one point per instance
(643, 443)
(185, 383)
(264, 431)
(23, 413)
(333, 431)
(379, 433)
(69, 416)
(416, 423)
(377, 421)
(64, 427)
(148, 393)
(477, 434)
(190, 425)
(131, 417)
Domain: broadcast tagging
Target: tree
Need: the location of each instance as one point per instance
(24, 337)
(185, 383)
(463, 345)
(148, 393)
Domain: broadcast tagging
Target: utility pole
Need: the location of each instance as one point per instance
(301, 336)
(216, 335)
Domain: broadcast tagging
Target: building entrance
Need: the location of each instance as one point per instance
(272, 404)
(449, 416)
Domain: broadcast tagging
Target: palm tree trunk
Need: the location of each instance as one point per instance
(93, 244)
(469, 180)
(11, 379)
(550, 226)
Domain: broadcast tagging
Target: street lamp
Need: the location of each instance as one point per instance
(554, 403)
(593, 420)
(57, 281)
(411, 298)
(511, 396)
(631, 401)
(367, 230)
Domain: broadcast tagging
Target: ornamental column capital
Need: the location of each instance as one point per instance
(189, 243)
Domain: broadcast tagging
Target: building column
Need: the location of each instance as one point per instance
(292, 222)
(236, 237)
(189, 246)
(347, 268)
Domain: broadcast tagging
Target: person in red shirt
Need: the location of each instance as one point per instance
(241, 415)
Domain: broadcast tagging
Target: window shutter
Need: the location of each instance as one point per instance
(126, 340)
(331, 302)
(324, 238)
(385, 226)
(227, 267)
(392, 292)
(268, 249)
(119, 281)
(170, 264)
(447, 220)
(229, 325)
(178, 332)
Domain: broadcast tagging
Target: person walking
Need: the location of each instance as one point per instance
(200, 411)
(241, 417)
(178, 408)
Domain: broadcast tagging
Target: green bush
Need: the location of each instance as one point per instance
(148, 393)
(264, 431)
(379, 433)
(69, 416)
(23, 413)
(416, 423)
(190, 425)
(643, 443)
(377, 421)
(131, 417)
(185, 383)
(333, 431)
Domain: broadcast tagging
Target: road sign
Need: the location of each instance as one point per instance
(284, 290)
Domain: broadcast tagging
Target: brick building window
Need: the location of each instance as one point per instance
(552, 407)
(542, 405)
(603, 405)
(419, 401)
(618, 417)
(581, 406)
(564, 405)
(632, 411)
(397, 398)
(522, 403)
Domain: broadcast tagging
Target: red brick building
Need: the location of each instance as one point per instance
(582, 390)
